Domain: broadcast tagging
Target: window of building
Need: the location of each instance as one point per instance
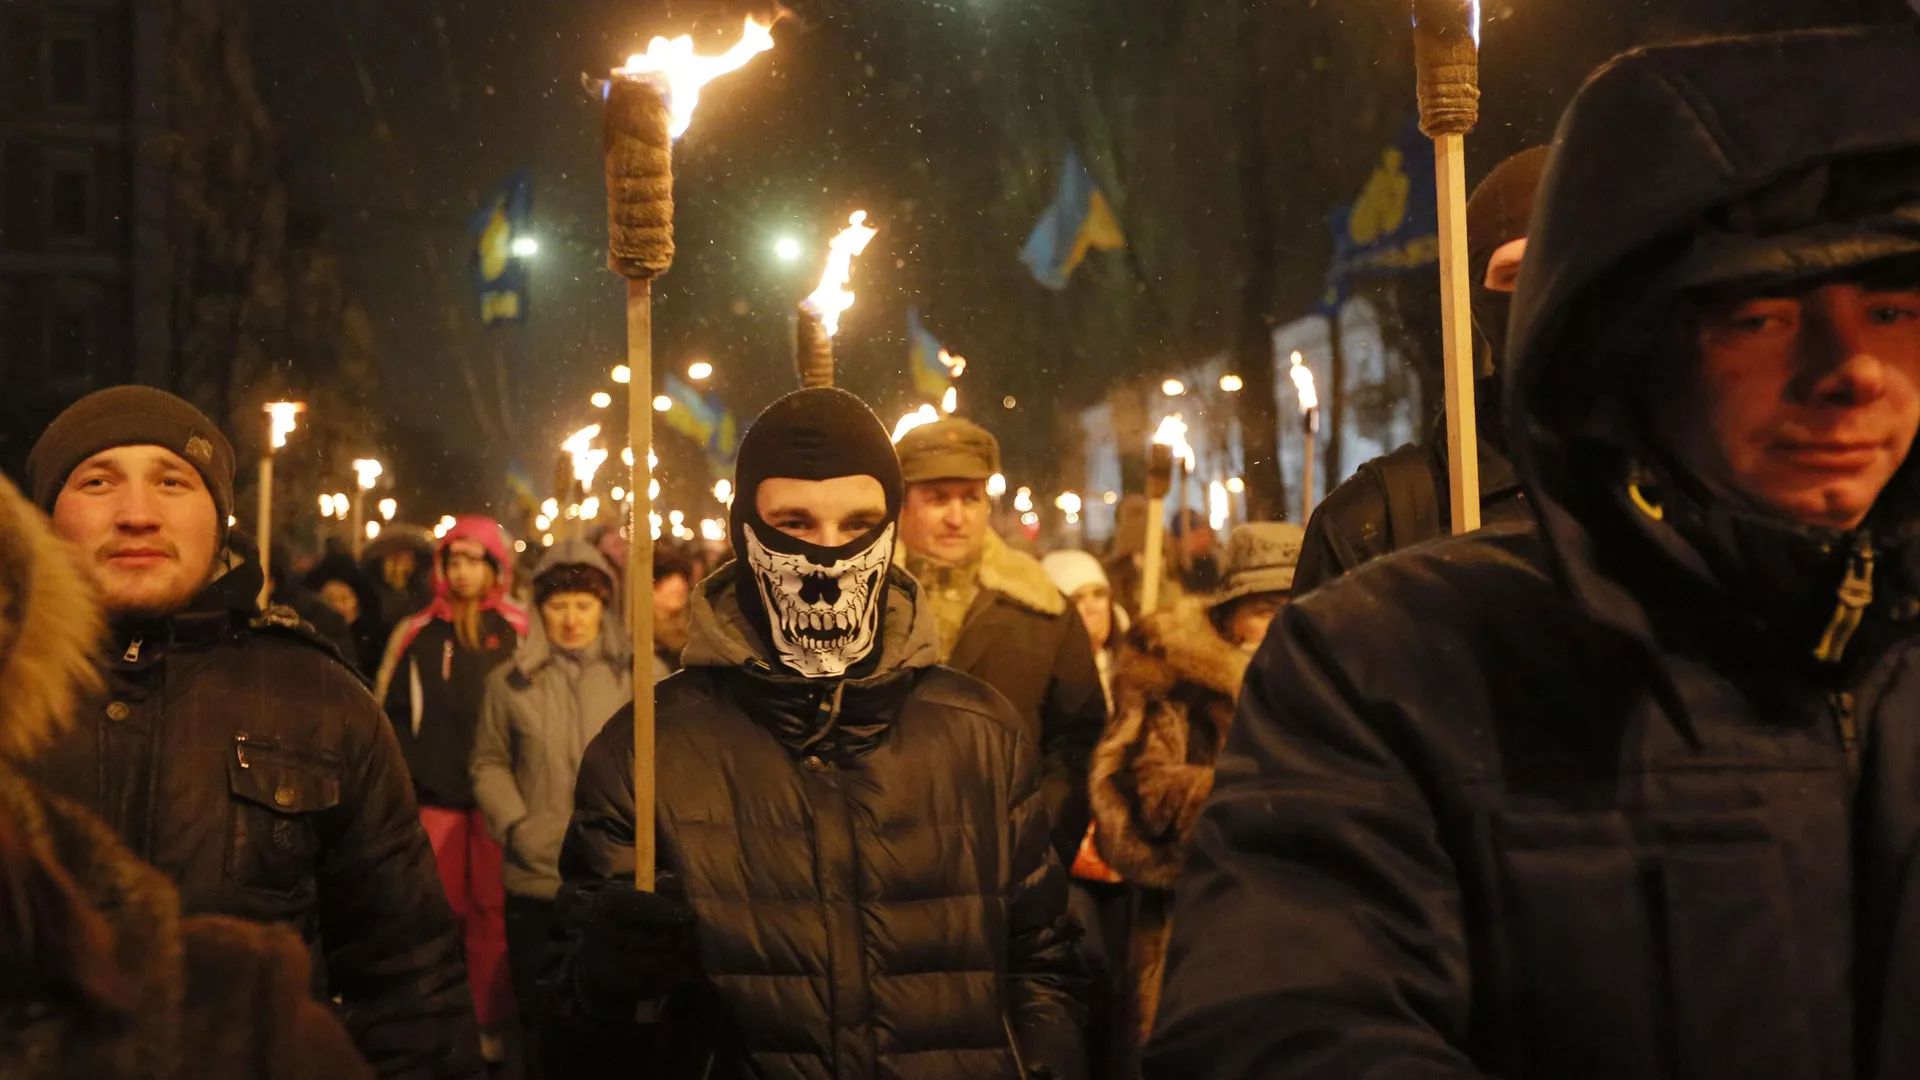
(70, 71)
(69, 201)
(71, 331)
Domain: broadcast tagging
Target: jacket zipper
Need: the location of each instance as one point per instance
(1855, 593)
(1847, 724)
(132, 655)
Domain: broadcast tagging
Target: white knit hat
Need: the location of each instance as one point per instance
(1073, 570)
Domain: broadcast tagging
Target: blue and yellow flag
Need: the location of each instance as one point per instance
(930, 376)
(1079, 220)
(499, 276)
(704, 420)
(1393, 226)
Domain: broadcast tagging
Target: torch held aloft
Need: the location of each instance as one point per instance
(1447, 61)
(639, 166)
(1159, 482)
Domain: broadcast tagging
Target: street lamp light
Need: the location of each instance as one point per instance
(1173, 388)
(787, 249)
(699, 370)
(601, 399)
(525, 247)
(622, 373)
(388, 507)
(662, 403)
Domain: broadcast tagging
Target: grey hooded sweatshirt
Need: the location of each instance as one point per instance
(541, 710)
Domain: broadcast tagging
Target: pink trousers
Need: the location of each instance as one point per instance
(470, 873)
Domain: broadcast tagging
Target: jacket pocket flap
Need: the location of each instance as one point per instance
(279, 783)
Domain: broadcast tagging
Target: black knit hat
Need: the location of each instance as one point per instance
(130, 416)
(813, 434)
(572, 578)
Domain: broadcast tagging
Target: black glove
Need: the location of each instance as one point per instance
(635, 946)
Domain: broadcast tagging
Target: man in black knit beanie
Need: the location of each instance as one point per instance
(855, 875)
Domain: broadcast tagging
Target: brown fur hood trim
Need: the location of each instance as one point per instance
(1019, 577)
(49, 628)
(1174, 692)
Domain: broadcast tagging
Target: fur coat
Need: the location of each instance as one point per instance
(100, 976)
(1175, 686)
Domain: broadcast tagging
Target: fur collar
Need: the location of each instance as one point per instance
(1013, 574)
(49, 629)
(1174, 693)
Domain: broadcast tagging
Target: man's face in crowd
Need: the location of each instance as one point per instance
(1503, 269)
(469, 574)
(1095, 604)
(1810, 400)
(1250, 616)
(341, 598)
(828, 513)
(946, 519)
(144, 526)
(572, 619)
(670, 594)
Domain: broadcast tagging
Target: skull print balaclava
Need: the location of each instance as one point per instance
(821, 609)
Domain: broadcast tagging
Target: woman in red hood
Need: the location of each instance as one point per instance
(432, 681)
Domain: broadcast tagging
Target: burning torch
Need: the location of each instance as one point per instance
(1169, 442)
(366, 471)
(1446, 53)
(820, 313)
(650, 102)
(281, 417)
(1309, 425)
(587, 459)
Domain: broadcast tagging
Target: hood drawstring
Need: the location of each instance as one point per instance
(1855, 593)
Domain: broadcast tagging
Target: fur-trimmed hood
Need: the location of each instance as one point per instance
(1013, 574)
(49, 629)
(1175, 688)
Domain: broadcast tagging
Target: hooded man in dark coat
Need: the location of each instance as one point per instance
(234, 748)
(856, 876)
(1632, 795)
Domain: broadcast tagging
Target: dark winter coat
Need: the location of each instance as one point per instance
(868, 859)
(1558, 805)
(1174, 690)
(239, 754)
(432, 686)
(1024, 639)
(1396, 501)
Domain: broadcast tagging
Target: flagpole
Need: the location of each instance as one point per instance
(1447, 62)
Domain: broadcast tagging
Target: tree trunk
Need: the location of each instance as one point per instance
(1253, 330)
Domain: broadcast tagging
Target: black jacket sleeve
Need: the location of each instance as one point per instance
(1318, 929)
(1047, 982)
(393, 950)
(581, 1036)
(1071, 719)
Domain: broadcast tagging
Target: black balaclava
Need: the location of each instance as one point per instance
(819, 608)
(1497, 214)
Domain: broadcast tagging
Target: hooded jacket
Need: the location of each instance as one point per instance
(540, 713)
(867, 857)
(1584, 803)
(236, 753)
(432, 687)
(1175, 686)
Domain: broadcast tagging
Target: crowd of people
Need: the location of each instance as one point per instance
(1622, 785)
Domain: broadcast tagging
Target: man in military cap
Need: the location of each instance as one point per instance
(234, 748)
(1000, 618)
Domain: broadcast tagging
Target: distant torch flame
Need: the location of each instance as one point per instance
(950, 400)
(832, 298)
(1173, 432)
(1219, 506)
(672, 65)
(587, 458)
(956, 365)
(1303, 383)
(281, 414)
(922, 415)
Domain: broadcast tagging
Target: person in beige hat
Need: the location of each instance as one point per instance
(1000, 617)
(1175, 689)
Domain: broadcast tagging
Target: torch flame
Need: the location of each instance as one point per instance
(956, 365)
(1173, 432)
(672, 65)
(281, 414)
(950, 400)
(1303, 383)
(587, 458)
(832, 298)
(922, 415)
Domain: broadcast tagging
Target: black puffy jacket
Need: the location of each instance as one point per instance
(239, 754)
(1591, 802)
(878, 902)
